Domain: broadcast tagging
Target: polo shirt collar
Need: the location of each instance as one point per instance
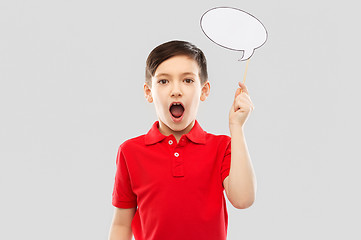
(196, 134)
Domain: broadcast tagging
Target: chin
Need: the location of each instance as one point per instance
(178, 126)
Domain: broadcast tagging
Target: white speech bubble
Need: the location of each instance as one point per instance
(234, 29)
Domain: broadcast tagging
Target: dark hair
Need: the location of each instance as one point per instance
(171, 49)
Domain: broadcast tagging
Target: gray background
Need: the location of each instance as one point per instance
(71, 92)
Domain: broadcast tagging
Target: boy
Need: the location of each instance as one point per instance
(176, 173)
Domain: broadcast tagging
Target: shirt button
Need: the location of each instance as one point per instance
(176, 154)
(170, 142)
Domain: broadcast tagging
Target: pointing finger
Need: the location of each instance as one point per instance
(244, 88)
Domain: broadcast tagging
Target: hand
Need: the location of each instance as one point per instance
(241, 107)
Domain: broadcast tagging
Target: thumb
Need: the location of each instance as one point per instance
(239, 91)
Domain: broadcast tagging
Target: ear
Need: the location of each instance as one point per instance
(148, 93)
(205, 90)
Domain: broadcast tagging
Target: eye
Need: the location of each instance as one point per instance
(189, 80)
(162, 80)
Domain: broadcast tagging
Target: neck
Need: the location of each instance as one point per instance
(165, 130)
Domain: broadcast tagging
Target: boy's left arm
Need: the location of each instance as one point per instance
(240, 184)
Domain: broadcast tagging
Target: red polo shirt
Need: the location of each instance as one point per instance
(178, 187)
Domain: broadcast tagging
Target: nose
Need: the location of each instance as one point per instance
(176, 90)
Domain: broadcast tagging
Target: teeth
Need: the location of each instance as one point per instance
(176, 104)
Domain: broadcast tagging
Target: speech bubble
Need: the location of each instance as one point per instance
(234, 29)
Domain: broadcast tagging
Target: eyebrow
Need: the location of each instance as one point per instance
(166, 74)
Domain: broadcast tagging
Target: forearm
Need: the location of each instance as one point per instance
(119, 232)
(242, 180)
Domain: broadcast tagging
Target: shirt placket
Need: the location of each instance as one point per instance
(177, 157)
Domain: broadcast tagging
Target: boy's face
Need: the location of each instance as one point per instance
(176, 80)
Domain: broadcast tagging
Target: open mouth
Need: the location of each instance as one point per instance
(177, 111)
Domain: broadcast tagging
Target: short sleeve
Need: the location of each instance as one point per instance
(226, 163)
(123, 195)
